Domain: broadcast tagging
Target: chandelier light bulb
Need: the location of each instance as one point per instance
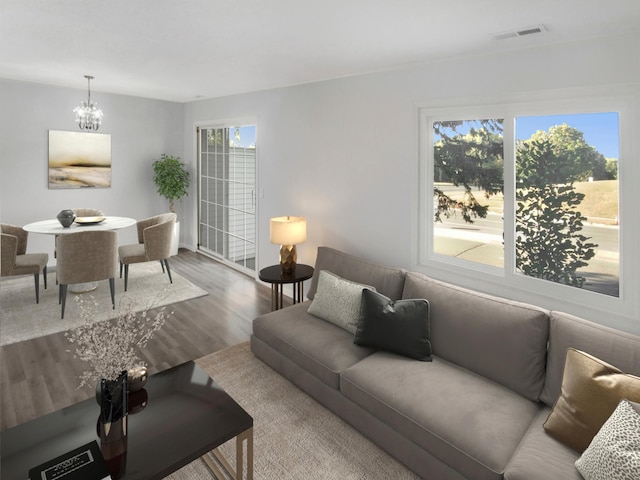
(88, 115)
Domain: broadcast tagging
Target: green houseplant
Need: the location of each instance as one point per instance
(172, 178)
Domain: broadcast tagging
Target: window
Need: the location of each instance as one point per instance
(567, 199)
(526, 195)
(468, 186)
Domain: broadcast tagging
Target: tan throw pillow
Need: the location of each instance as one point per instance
(591, 390)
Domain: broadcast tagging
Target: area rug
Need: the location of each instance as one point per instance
(22, 319)
(294, 436)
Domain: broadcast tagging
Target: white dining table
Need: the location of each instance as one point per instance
(53, 227)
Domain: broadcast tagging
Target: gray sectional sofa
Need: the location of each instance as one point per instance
(476, 411)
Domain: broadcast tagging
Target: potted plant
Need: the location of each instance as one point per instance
(172, 179)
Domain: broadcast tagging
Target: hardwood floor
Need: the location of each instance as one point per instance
(40, 376)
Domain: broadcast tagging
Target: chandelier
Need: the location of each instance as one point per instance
(88, 115)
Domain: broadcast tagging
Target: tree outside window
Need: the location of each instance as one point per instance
(566, 194)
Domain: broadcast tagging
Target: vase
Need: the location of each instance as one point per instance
(112, 423)
(66, 218)
(112, 396)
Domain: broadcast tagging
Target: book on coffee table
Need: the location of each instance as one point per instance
(82, 463)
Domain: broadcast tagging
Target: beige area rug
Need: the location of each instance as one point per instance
(22, 319)
(295, 437)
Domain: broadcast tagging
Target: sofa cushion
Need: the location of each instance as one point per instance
(615, 450)
(338, 301)
(503, 340)
(400, 326)
(387, 280)
(466, 421)
(612, 346)
(320, 347)
(591, 391)
(541, 457)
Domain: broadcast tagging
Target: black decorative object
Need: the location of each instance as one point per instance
(113, 398)
(112, 423)
(66, 218)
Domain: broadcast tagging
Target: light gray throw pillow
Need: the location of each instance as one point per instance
(338, 300)
(615, 450)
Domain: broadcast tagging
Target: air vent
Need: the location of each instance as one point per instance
(520, 33)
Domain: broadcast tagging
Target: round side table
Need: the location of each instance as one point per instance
(277, 279)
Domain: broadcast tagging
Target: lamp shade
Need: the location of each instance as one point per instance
(288, 230)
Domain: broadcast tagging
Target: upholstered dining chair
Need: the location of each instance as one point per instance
(85, 257)
(154, 243)
(87, 212)
(16, 261)
(82, 212)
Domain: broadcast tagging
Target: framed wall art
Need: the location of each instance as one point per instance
(79, 160)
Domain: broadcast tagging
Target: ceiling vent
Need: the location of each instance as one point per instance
(521, 33)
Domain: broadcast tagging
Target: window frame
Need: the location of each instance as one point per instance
(506, 281)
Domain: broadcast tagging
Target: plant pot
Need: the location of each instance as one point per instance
(175, 241)
(112, 398)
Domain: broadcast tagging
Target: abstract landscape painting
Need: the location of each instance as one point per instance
(79, 160)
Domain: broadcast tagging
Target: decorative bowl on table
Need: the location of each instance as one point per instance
(89, 220)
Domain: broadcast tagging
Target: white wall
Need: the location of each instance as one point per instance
(141, 130)
(344, 153)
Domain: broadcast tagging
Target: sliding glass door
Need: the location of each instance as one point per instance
(227, 203)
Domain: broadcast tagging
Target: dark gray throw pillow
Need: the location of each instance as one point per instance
(400, 327)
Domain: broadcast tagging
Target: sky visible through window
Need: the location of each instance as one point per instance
(247, 136)
(600, 129)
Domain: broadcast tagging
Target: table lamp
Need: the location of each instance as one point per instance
(287, 232)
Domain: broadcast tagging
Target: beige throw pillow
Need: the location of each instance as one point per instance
(338, 300)
(591, 390)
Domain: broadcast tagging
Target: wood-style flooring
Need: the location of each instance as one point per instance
(40, 376)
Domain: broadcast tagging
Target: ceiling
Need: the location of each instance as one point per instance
(182, 51)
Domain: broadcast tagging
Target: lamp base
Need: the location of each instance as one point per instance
(288, 259)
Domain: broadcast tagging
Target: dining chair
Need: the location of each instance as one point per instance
(81, 212)
(87, 212)
(86, 257)
(155, 235)
(16, 261)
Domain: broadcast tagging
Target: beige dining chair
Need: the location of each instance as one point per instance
(155, 235)
(81, 212)
(85, 257)
(87, 212)
(15, 260)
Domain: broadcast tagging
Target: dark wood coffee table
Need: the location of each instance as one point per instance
(186, 416)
